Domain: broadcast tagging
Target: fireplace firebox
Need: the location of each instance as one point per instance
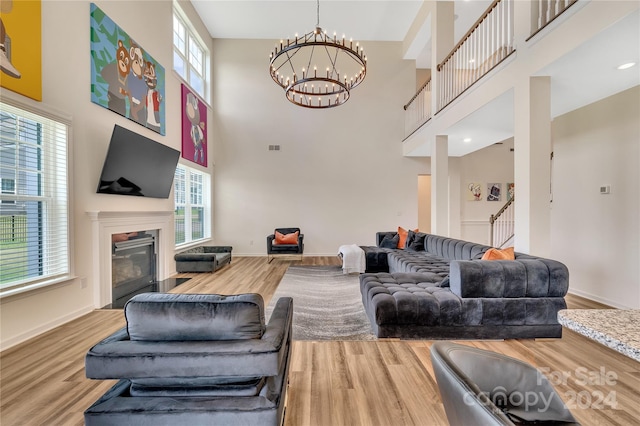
(134, 265)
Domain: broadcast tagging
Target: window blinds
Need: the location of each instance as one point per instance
(192, 205)
(34, 213)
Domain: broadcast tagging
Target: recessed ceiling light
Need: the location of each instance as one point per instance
(466, 140)
(627, 65)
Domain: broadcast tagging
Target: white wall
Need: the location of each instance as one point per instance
(598, 236)
(493, 164)
(339, 175)
(67, 87)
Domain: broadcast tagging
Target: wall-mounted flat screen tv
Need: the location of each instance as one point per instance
(136, 165)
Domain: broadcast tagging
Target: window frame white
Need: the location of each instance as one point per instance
(191, 37)
(183, 197)
(56, 192)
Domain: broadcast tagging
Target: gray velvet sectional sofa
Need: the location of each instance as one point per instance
(440, 289)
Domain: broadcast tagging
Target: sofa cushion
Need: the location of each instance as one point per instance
(166, 317)
(291, 238)
(403, 233)
(390, 241)
(415, 241)
(198, 386)
(423, 262)
(118, 407)
(499, 254)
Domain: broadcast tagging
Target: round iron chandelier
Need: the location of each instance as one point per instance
(316, 70)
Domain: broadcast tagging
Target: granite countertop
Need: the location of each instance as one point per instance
(618, 329)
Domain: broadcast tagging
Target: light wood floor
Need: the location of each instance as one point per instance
(385, 382)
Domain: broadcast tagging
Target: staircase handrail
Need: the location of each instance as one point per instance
(493, 218)
(503, 231)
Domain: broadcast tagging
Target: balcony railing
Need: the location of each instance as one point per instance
(418, 109)
(487, 43)
(547, 11)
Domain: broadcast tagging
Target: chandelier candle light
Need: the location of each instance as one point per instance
(316, 70)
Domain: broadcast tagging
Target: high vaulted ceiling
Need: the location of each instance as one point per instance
(584, 76)
(362, 20)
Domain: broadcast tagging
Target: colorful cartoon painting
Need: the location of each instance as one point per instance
(511, 190)
(494, 191)
(194, 128)
(125, 78)
(21, 47)
(474, 192)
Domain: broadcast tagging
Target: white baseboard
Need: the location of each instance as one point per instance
(43, 328)
(595, 298)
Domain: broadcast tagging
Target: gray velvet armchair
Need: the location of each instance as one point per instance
(486, 388)
(194, 359)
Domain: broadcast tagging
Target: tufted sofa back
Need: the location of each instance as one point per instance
(452, 249)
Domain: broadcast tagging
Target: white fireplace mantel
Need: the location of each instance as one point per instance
(105, 224)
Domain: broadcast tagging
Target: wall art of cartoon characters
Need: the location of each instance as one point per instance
(475, 191)
(494, 191)
(194, 128)
(125, 78)
(21, 47)
(511, 190)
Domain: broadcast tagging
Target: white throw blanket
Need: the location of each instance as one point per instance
(353, 260)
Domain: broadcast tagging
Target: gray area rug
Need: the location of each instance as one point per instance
(326, 304)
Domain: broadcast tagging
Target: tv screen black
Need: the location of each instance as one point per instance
(136, 165)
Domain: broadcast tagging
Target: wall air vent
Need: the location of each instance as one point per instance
(274, 147)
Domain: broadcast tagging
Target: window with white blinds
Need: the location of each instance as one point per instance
(192, 205)
(34, 212)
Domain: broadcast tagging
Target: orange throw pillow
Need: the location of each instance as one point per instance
(403, 233)
(287, 238)
(497, 254)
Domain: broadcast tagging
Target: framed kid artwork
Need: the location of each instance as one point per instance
(21, 47)
(124, 77)
(511, 190)
(194, 127)
(474, 191)
(494, 192)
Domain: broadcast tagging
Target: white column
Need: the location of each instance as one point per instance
(440, 186)
(455, 227)
(532, 165)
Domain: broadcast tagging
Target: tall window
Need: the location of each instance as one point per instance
(190, 56)
(192, 203)
(34, 199)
